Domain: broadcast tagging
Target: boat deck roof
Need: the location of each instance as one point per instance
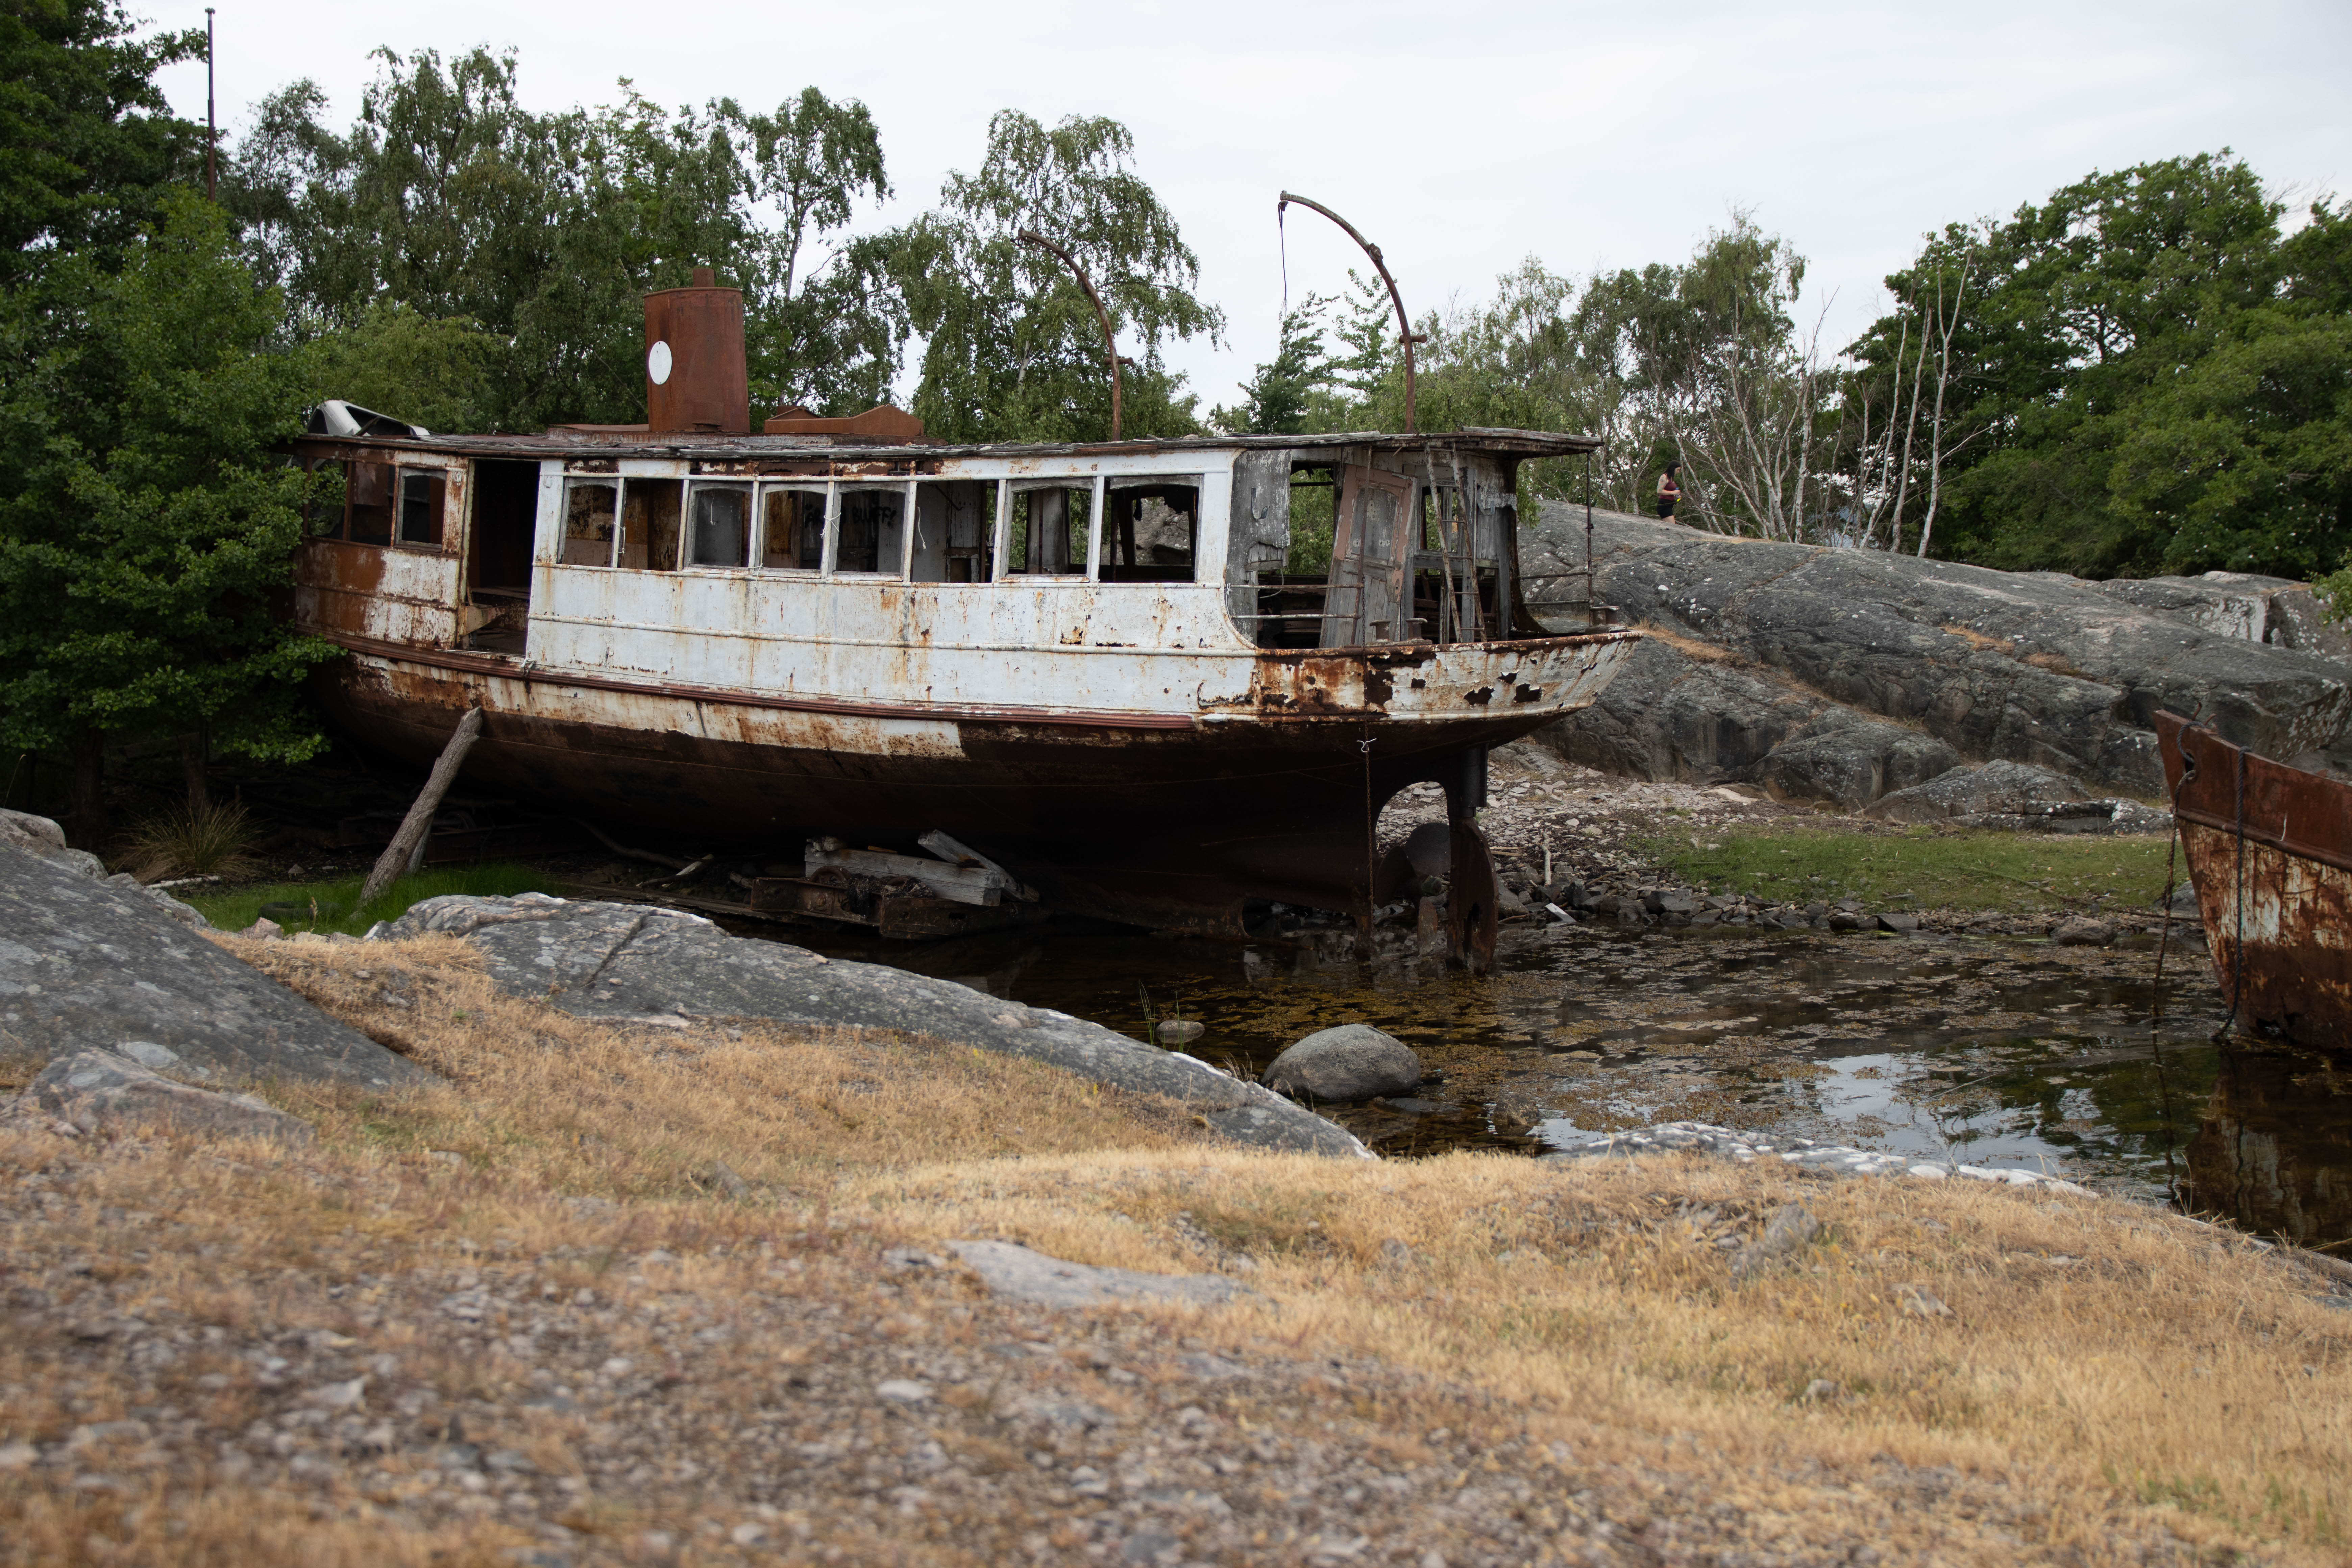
(621, 442)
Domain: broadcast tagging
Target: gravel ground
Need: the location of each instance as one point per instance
(797, 1392)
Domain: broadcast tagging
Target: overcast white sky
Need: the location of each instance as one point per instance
(1461, 135)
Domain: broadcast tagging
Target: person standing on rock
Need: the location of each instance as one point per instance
(1669, 492)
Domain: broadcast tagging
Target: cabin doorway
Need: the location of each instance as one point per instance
(497, 574)
(1365, 604)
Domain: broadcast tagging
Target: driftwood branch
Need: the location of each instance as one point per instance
(668, 862)
(405, 843)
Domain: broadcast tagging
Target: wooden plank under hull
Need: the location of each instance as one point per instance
(2269, 849)
(1163, 824)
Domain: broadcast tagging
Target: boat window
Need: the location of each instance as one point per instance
(720, 529)
(325, 508)
(371, 503)
(955, 523)
(649, 519)
(1050, 522)
(792, 527)
(590, 508)
(1152, 528)
(423, 492)
(872, 520)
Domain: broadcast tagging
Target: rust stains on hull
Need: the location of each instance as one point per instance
(2270, 854)
(1127, 816)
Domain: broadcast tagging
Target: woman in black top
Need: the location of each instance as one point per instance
(1669, 492)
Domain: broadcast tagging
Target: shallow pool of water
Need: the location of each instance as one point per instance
(1987, 1052)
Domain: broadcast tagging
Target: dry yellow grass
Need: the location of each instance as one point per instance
(646, 1110)
(2092, 1349)
(1535, 1362)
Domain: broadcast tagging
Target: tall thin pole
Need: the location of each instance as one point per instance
(1404, 325)
(211, 132)
(1110, 343)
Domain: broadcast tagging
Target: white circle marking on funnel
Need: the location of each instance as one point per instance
(657, 364)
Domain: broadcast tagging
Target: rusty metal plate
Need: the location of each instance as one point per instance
(2270, 854)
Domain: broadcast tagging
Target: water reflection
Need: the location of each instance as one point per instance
(1993, 1053)
(2271, 1152)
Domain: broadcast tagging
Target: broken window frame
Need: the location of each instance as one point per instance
(389, 481)
(690, 532)
(436, 482)
(572, 485)
(837, 518)
(766, 488)
(316, 512)
(1107, 489)
(1007, 488)
(623, 536)
(989, 493)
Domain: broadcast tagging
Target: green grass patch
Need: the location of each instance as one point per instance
(1926, 867)
(327, 905)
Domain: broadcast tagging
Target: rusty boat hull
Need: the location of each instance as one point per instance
(1172, 820)
(2269, 851)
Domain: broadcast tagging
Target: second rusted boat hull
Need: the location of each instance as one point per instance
(1180, 824)
(2269, 849)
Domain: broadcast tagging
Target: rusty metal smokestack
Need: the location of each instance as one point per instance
(696, 378)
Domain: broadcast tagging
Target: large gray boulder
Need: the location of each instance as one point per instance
(1844, 757)
(102, 1090)
(2018, 796)
(629, 960)
(89, 963)
(2030, 667)
(1352, 1061)
(41, 836)
(2273, 610)
(1996, 789)
(1679, 709)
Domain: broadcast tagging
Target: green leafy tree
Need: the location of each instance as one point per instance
(1013, 350)
(89, 149)
(2152, 380)
(826, 326)
(532, 239)
(147, 523)
(1278, 397)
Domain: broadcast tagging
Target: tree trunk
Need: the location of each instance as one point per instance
(195, 753)
(410, 839)
(88, 825)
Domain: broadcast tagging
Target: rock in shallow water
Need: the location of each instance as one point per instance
(2080, 932)
(1352, 1061)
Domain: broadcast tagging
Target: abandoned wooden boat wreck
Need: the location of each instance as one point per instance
(2269, 849)
(1083, 662)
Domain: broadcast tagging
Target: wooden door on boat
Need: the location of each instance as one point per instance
(1365, 603)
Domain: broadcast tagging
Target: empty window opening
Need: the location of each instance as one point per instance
(955, 520)
(591, 508)
(423, 494)
(792, 527)
(330, 492)
(873, 520)
(1049, 528)
(1152, 530)
(719, 531)
(371, 509)
(649, 524)
(506, 517)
